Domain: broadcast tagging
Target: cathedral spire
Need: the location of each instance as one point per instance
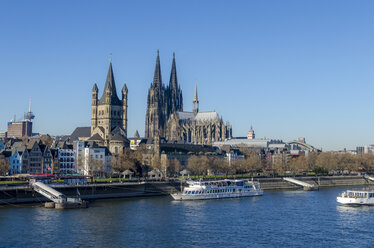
(195, 102)
(195, 99)
(173, 83)
(157, 77)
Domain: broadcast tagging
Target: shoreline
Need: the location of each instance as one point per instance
(24, 194)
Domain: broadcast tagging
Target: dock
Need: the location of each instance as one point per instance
(58, 200)
(306, 186)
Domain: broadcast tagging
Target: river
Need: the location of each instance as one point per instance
(276, 219)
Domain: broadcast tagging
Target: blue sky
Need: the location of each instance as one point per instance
(289, 68)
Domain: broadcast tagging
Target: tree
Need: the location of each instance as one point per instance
(4, 166)
(311, 160)
(80, 165)
(175, 166)
(299, 164)
(252, 162)
(326, 161)
(96, 167)
(156, 162)
(365, 162)
(279, 163)
(165, 164)
(124, 161)
(198, 165)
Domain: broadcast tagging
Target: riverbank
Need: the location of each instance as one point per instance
(321, 181)
(24, 194)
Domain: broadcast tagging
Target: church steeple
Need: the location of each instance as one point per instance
(110, 90)
(173, 83)
(175, 99)
(195, 102)
(110, 83)
(157, 76)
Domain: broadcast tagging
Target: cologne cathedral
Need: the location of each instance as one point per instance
(165, 116)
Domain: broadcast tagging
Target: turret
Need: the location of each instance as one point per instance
(124, 108)
(95, 92)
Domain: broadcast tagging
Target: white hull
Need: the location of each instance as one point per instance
(355, 201)
(357, 197)
(184, 197)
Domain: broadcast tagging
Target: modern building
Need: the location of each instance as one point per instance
(66, 158)
(19, 129)
(89, 155)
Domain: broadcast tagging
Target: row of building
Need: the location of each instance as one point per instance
(35, 157)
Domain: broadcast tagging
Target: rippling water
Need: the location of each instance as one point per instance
(276, 219)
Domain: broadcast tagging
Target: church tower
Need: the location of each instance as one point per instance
(109, 111)
(95, 92)
(124, 108)
(174, 93)
(157, 107)
(251, 133)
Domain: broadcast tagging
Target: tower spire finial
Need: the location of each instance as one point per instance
(195, 102)
(110, 57)
(195, 99)
(157, 76)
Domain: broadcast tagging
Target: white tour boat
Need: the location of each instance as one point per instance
(357, 197)
(201, 190)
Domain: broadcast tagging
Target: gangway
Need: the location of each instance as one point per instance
(369, 177)
(306, 186)
(59, 200)
(49, 192)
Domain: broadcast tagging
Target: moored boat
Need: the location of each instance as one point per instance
(357, 197)
(202, 190)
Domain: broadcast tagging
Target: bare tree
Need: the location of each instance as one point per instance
(4, 166)
(175, 166)
(198, 165)
(299, 164)
(252, 162)
(96, 167)
(124, 161)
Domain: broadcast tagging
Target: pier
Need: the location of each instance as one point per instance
(371, 178)
(58, 200)
(306, 186)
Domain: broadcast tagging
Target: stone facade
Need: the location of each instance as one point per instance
(165, 116)
(109, 116)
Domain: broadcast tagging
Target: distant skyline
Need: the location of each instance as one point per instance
(289, 68)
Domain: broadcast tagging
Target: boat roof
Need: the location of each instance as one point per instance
(365, 190)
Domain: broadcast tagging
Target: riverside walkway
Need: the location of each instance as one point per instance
(306, 186)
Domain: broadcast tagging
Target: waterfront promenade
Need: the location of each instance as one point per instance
(25, 194)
